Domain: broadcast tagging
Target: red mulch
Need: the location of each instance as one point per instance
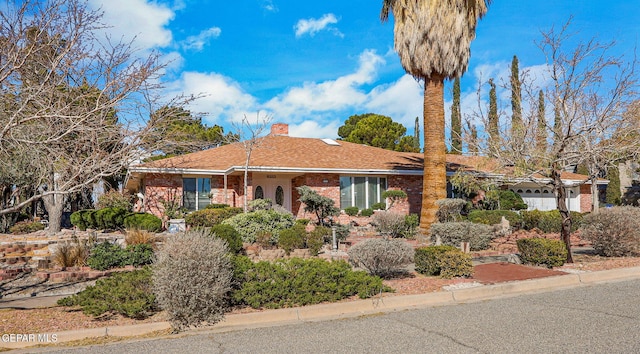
(492, 273)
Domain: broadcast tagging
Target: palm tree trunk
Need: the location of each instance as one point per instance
(434, 182)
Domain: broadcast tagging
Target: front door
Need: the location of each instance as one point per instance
(273, 187)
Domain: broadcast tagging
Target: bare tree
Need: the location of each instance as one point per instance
(73, 103)
(589, 90)
(250, 135)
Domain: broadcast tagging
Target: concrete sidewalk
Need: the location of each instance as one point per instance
(387, 303)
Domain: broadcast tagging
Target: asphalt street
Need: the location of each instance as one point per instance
(602, 318)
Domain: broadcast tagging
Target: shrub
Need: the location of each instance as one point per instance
(210, 217)
(390, 223)
(351, 211)
(115, 199)
(110, 218)
(77, 220)
(89, 218)
(316, 239)
(191, 278)
(323, 207)
(71, 254)
(126, 293)
(229, 234)
(216, 206)
(549, 221)
(250, 224)
(25, 227)
(411, 221)
(394, 195)
(298, 282)
(445, 261)
(260, 204)
(137, 237)
(614, 231)
(450, 210)
(143, 221)
(303, 222)
(382, 257)
(479, 236)
(542, 251)
(292, 238)
(107, 255)
(510, 200)
(138, 255)
(342, 231)
(492, 217)
(366, 212)
(379, 206)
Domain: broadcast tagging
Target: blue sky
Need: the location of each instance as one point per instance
(312, 64)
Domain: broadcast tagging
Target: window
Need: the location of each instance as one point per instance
(280, 196)
(259, 193)
(195, 193)
(361, 192)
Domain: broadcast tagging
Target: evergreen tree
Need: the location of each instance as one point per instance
(456, 120)
(613, 195)
(473, 140)
(517, 127)
(416, 135)
(494, 138)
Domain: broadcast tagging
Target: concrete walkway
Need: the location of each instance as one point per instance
(356, 308)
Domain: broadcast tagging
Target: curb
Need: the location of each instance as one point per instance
(376, 305)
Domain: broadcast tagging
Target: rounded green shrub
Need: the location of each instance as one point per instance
(379, 206)
(143, 221)
(77, 220)
(366, 212)
(269, 222)
(542, 251)
(510, 200)
(292, 238)
(210, 217)
(139, 255)
(493, 217)
(352, 210)
(549, 221)
(229, 234)
(89, 218)
(479, 236)
(217, 206)
(445, 261)
(107, 255)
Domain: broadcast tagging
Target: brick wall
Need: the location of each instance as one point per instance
(159, 187)
(412, 185)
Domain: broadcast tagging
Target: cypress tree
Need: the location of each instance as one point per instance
(456, 120)
(473, 141)
(517, 128)
(494, 138)
(541, 133)
(416, 135)
(613, 189)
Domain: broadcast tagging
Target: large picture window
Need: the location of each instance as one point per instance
(195, 193)
(361, 192)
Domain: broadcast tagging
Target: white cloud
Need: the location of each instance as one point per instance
(313, 129)
(269, 6)
(198, 41)
(312, 26)
(139, 19)
(401, 100)
(223, 99)
(331, 95)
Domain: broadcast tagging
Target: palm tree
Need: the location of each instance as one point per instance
(433, 38)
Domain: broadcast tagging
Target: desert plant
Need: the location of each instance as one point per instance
(250, 224)
(209, 217)
(138, 255)
(315, 239)
(389, 223)
(493, 217)
(292, 238)
(450, 210)
(230, 235)
(323, 207)
(107, 255)
(445, 261)
(366, 212)
(614, 231)
(25, 227)
(71, 254)
(137, 237)
(296, 282)
(143, 221)
(411, 221)
(126, 293)
(382, 257)
(192, 277)
(479, 236)
(542, 251)
(352, 210)
(115, 199)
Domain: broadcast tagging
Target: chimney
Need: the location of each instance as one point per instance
(280, 129)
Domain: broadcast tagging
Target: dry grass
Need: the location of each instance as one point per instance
(137, 237)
